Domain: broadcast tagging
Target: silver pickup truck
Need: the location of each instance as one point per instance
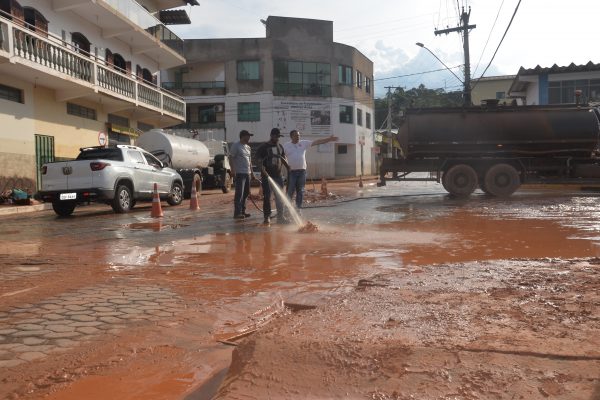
(118, 176)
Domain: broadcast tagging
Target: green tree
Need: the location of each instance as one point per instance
(419, 97)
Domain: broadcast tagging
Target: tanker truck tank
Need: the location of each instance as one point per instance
(510, 131)
(188, 156)
(177, 151)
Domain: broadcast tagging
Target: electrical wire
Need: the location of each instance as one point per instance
(488, 38)
(499, 44)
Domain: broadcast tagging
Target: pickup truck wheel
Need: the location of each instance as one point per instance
(501, 180)
(123, 201)
(226, 179)
(176, 196)
(460, 180)
(63, 208)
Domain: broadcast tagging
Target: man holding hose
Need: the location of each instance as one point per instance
(270, 156)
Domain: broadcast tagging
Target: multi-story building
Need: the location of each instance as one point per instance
(77, 73)
(557, 85)
(296, 77)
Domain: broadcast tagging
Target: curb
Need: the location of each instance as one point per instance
(11, 210)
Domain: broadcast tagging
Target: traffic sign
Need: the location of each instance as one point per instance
(102, 138)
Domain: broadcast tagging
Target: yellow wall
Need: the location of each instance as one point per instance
(70, 132)
(487, 90)
(17, 142)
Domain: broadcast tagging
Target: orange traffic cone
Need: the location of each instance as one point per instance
(156, 208)
(194, 203)
(324, 190)
(360, 183)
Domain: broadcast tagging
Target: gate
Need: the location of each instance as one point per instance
(44, 153)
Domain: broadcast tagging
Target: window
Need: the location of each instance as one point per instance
(144, 127)
(368, 121)
(367, 85)
(81, 111)
(342, 149)
(248, 70)
(101, 154)
(359, 117)
(346, 114)
(35, 20)
(500, 95)
(248, 111)
(11, 94)
(152, 160)
(80, 43)
(299, 78)
(207, 114)
(563, 92)
(344, 75)
(358, 79)
(118, 120)
(135, 156)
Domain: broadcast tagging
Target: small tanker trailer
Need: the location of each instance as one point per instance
(497, 148)
(190, 157)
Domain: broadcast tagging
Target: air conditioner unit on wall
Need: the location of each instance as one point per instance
(219, 108)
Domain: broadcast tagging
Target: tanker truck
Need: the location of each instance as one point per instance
(190, 157)
(496, 149)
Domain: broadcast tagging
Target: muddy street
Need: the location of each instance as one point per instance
(402, 293)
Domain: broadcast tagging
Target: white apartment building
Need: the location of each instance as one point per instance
(296, 77)
(76, 73)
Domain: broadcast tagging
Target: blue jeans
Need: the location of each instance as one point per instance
(242, 191)
(297, 180)
(267, 196)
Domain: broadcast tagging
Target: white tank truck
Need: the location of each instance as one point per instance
(191, 158)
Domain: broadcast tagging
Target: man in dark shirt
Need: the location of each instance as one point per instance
(270, 156)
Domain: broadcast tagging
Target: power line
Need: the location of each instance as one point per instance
(488, 38)
(499, 44)
(417, 73)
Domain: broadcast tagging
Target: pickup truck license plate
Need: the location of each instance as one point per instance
(68, 196)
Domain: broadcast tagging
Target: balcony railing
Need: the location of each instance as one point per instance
(51, 54)
(194, 85)
(141, 17)
(206, 88)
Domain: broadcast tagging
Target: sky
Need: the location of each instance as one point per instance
(543, 32)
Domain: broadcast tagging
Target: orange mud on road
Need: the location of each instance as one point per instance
(392, 298)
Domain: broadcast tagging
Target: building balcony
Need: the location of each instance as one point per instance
(49, 62)
(133, 24)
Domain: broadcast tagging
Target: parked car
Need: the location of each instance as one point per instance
(118, 176)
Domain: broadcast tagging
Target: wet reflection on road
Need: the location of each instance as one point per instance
(224, 272)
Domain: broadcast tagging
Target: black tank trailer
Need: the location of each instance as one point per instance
(497, 148)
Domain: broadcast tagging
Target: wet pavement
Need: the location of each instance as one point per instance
(77, 292)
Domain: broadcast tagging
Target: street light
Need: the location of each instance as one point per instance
(437, 58)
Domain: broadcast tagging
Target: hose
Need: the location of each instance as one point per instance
(252, 177)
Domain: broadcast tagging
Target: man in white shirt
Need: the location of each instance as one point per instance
(296, 156)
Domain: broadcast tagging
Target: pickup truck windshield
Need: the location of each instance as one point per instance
(101, 154)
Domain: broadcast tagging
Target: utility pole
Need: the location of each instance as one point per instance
(465, 27)
(389, 122)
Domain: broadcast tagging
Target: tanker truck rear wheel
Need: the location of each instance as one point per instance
(460, 180)
(501, 180)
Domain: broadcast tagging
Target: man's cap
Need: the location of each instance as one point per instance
(276, 132)
(245, 133)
